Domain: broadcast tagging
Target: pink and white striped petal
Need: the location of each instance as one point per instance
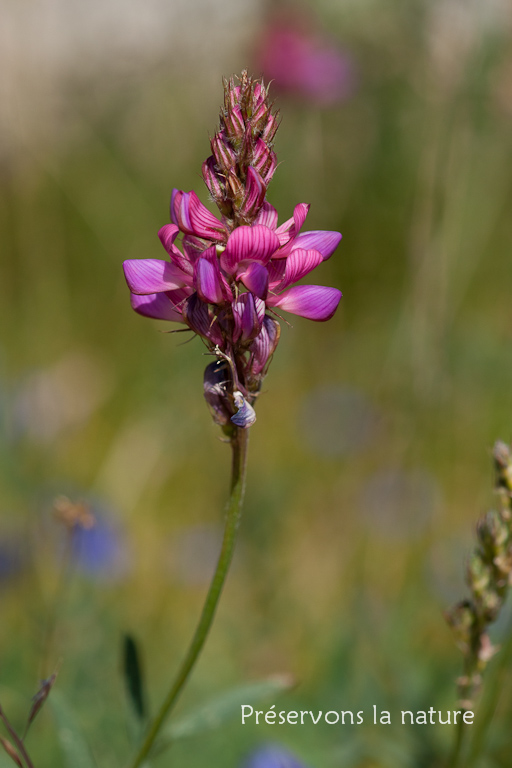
(298, 264)
(290, 228)
(255, 243)
(145, 276)
(267, 216)
(315, 302)
(193, 218)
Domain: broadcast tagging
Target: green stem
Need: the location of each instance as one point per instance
(457, 746)
(239, 456)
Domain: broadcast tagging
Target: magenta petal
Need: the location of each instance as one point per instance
(155, 305)
(168, 234)
(298, 264)
(264, 345)
(255, 190)
(145, 276)
(267, 216)
(276, 269)
(248, 313)
(315, 302)
(203, 223)
(255, 243)
(255, 279)
(208, 279)
(324, 242)
(180, 210)
(290, 228)
(198, 316)
(299, 216)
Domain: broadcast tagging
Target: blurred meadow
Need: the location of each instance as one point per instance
(370, 462)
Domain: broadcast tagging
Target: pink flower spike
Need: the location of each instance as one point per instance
(146, 276)
(323, 241)
(315, 302)
(255, 243)
(255, 279)
(157, 306)
(208, 278)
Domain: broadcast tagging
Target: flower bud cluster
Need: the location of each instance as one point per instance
(489, 575)
(242, 162)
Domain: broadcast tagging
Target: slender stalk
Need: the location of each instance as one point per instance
(19, 742)
(239, 456)
(456, 754)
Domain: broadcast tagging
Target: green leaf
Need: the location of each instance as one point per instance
(133, 676)
(75, 747)
(222, 708)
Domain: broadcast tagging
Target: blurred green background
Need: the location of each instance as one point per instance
(370, 460)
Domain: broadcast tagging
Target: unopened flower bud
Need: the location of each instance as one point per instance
(216, 385)
(246, 415)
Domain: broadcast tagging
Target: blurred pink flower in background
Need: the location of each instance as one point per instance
(301, 61)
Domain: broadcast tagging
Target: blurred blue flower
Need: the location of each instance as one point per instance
(272, 756)
(12, 557)
(98, 545)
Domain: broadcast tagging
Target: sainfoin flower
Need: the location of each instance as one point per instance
(234, 275)
(303, 62)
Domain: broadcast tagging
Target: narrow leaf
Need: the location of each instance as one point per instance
(222, 708)
(133, 676)
(74, 745)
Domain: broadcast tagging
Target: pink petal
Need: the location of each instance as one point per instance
(193, 218)
(167, 235)
(299, 216)
(209, 281)
(267, 216)
(255, 243)
(156, 305)
(255, 190)
(291, 227)
(203, 223)
(264, 345)
(323, 241)
(298, 264)
(198, 316)
(315, 302)
(248, 312)
(276, 269)
(255, 279)
(145, 276)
